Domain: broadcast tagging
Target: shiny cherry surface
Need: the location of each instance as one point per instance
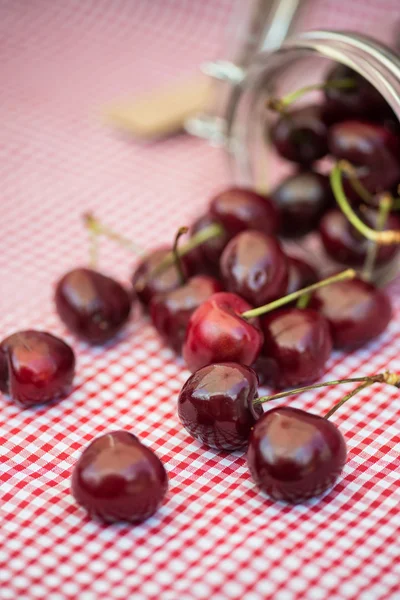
(119, 479)
(345, 245)
(301, 274)
(373, 148)
(217, 333)
(147, 282)
(216, 405)
(297, 345)
(170, 312)
(357, 312)
(302, 199)
(254, 266)
(205, 258)
(294, 455)
(91, 305)
(239, 209)
(35, 367)
(301, 135)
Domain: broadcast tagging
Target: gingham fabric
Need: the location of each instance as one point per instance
(215, 536)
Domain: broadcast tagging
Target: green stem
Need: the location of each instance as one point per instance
(98, 228)
(356, 184)
(386, 377)
(177, 256)
(262, 310)
(347, 397)
(383, 237)
(385, 206)
(280, 104)
(303, 301)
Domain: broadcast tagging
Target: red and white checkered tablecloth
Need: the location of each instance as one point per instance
(215, 536)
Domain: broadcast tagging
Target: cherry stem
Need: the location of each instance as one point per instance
(178, 258)
(97, 228)
(355, 183)
(386, 377)
(262, 310)
(347, 397)
(385, 205)
(280, 104)
(382, 237)
(303, 301)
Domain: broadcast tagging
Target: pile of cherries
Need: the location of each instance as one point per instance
(241, 310)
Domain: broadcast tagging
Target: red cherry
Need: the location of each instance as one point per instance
(301, 135)
(35, 367)
(345, 245)
(370, 146)
(91, 305)
(302, 198)
(170, 312)
(301, 274)
(294, 455)
(357, 312)
(216, 405)
(297, 345)
(206, 256)
(239, 209)
(217, 333)
(254, 266)
(147, 282)
(119, 479)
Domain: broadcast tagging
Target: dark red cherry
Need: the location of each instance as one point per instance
(119, 479)
(205, 258)
(301, 135)
(301, 274)
(35, 367)
(147, 282)
(345, 245)
(357, 101)
(91, 305)
(254, 266)
(294, 455)
(239, 209)
(217, 333)
(357, 311)
(297, 345)
(170, 312)
(373, 148)
(216, 405)
(302, 198)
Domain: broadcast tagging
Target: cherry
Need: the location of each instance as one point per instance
(297, 345)
(301, 135)
(35, 367)
(239, 209)
(359, 100)
(117, 478)
(294, 455)
(217, 333)
(371, 147)
(91, 305)
(302, 198)
(344, 244)
(301, 274)
(205, 258)
(170, 312)
(356, 310)
(254, 266)
(216, 405)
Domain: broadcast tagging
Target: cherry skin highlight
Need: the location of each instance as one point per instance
(357, 312)
(91, 305)
(117, 478)
(217, 333)
(215, 405)
(301, 135)
(35, 368)
(371, 147)
(346, 245)
(297, 345)
(170, 312)
(294, 455)
(302, 198)
(254, 266)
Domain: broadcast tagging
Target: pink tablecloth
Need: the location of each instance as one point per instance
(215, 536)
